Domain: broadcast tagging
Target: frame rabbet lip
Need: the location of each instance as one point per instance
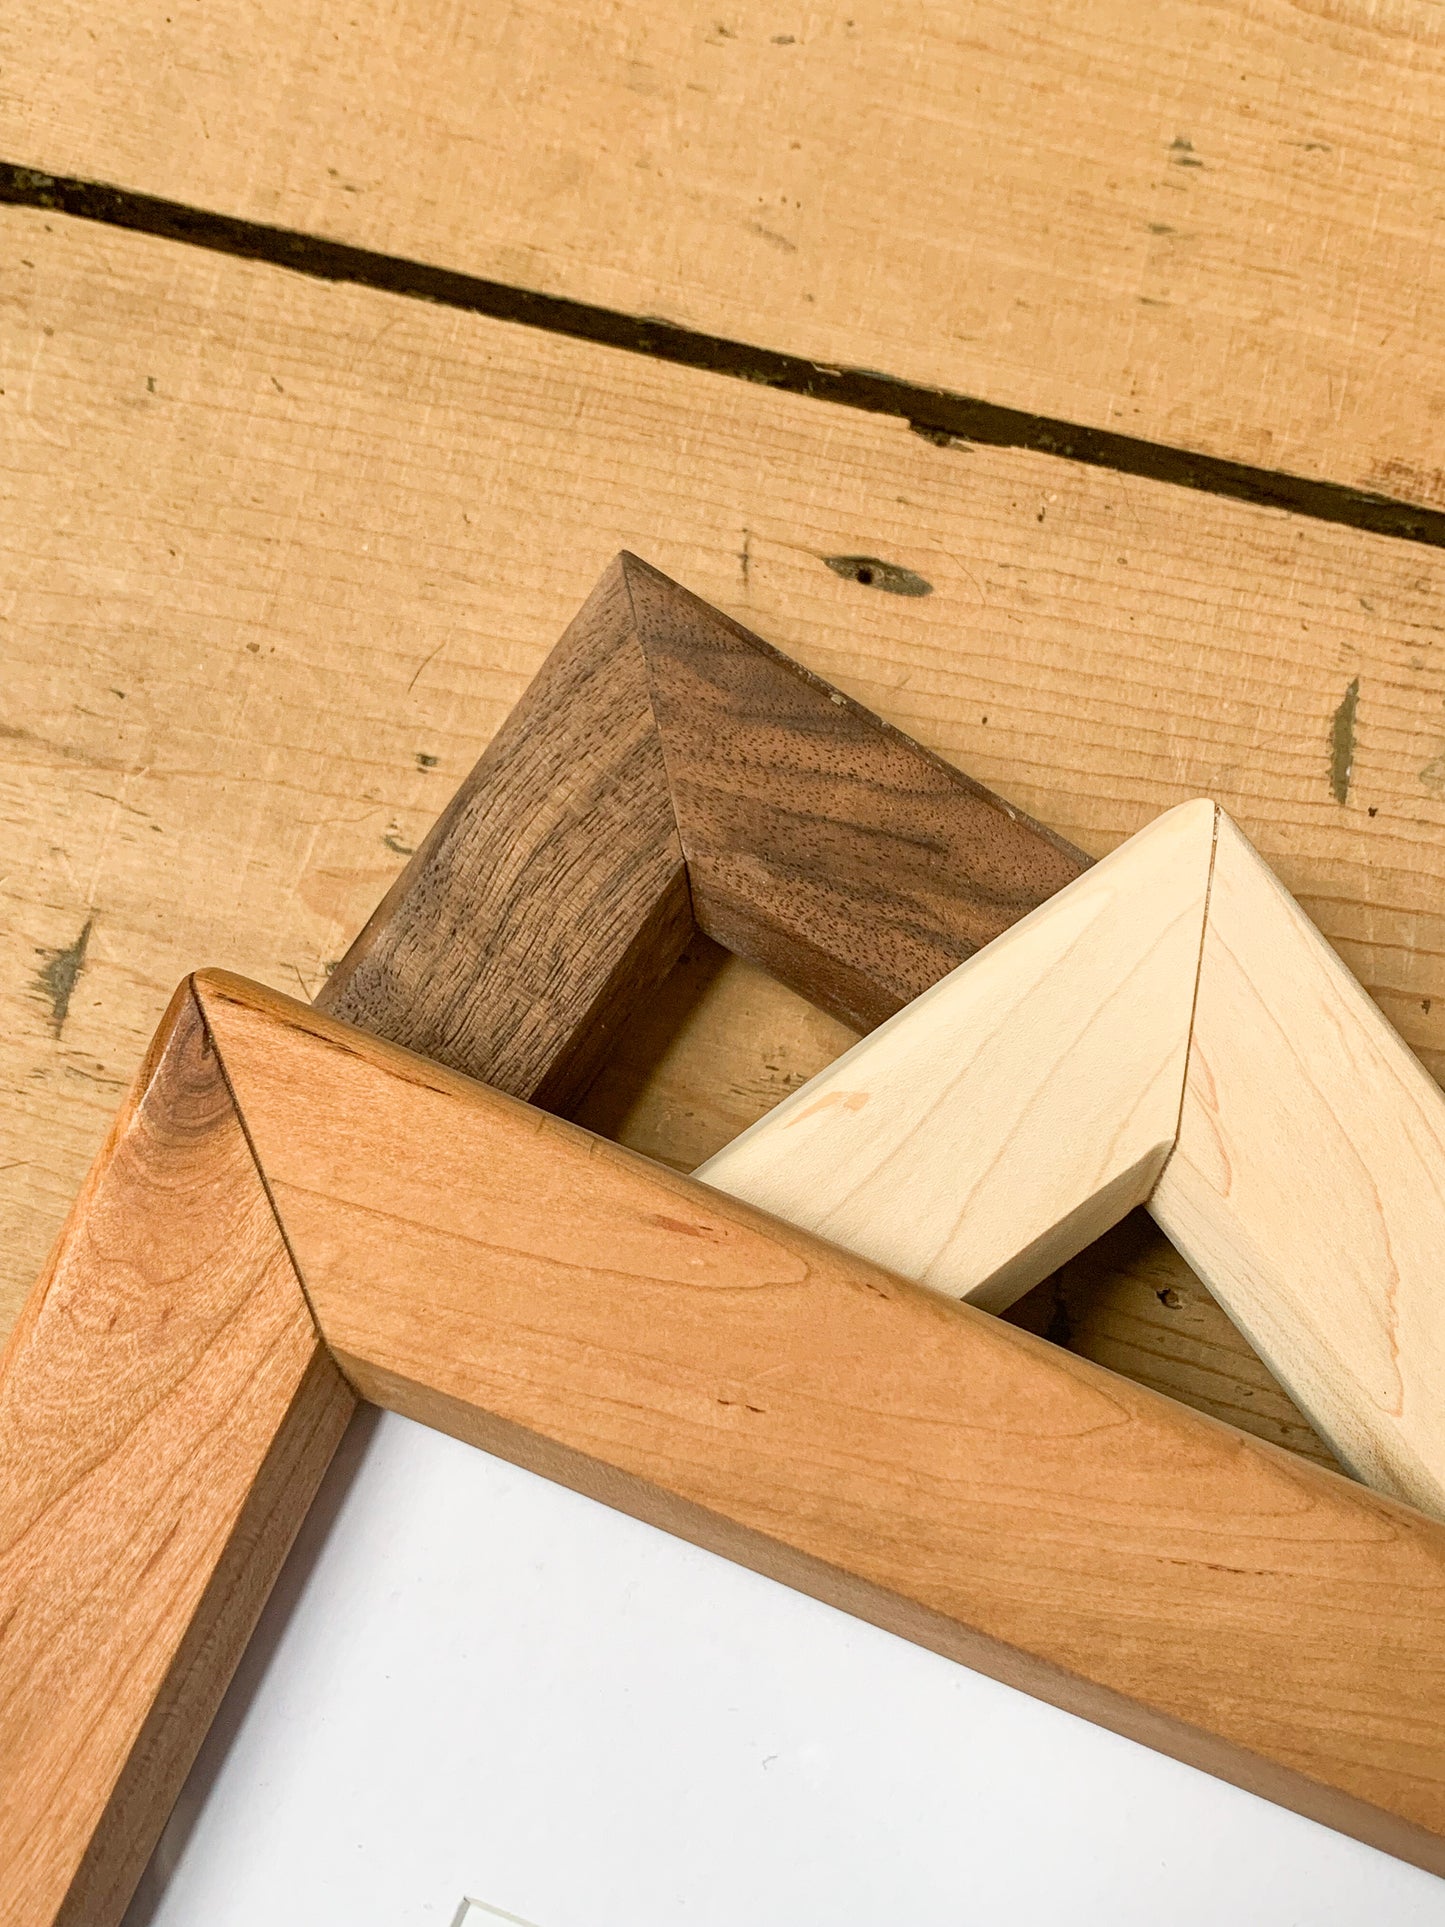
(242, 1264)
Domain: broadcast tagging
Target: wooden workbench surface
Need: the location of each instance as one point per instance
(1210, 223)
(281, 543)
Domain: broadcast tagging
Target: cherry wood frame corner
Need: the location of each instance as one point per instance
(563, 880)
(241, 1266)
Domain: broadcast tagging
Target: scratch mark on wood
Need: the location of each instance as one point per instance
(845, 1100)
(425, 663)
(779, 241)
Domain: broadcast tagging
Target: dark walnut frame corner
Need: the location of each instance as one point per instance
(667, 772)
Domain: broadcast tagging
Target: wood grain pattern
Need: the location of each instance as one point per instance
(1308, 1186)
(724, 1043)
(298, 584)
(166, 1412)
(550, 896)
(821, 843)
(1217, 235)
(1019, 1108)
(689, 1359)
(667, 765)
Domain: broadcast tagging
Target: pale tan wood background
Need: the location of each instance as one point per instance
(1209, 223)
(279, 555)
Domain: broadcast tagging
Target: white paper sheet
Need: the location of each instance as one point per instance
(473, 1685)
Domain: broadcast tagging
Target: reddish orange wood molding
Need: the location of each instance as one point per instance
(244, 1258)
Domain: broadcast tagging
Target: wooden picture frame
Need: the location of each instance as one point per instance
(1169, 1031)
(243, 1262)
(667, 772)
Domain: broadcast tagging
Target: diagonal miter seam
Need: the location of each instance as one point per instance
(1193, 1002)
(280, 1223)
(629, 563)
(624, 565)
(799, 672)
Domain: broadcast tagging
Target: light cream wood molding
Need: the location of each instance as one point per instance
(1170, 1030)
(1021, 1106)
(1308, 1183)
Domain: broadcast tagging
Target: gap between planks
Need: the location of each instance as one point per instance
(935, 413)
(1215, 236)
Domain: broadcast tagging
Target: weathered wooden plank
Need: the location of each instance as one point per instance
(1218, 234)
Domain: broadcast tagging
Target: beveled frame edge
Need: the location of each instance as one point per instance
(666, 772)
(1337, 1291)
(165, 1372)
(217, 1089)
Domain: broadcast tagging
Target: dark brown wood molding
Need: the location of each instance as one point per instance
(552, 890)
(822, 843)
(667, 771)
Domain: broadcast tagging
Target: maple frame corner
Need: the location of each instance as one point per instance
(1169, 1031)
